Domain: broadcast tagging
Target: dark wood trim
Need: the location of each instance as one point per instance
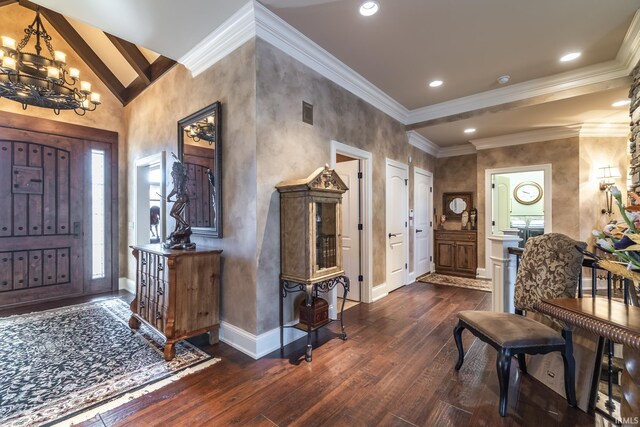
(19, 121)
(77, 43)
(7, 2)
(161, 65)
(134, 57)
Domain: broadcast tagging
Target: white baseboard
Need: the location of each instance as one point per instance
(481, 273)
(256, 346)
(124, 283)
(379, 292)
(411, 278)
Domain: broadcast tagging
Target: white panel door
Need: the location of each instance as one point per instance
(396, 218)
(501, 199)
(348, 171)
(422, 221)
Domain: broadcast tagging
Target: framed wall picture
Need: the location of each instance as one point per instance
(453, 204)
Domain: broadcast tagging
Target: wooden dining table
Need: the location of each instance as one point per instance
(612, 320)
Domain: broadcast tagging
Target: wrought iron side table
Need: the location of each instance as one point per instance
(311, 290)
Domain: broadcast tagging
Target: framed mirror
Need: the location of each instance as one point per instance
(453, 204)
(199, 149)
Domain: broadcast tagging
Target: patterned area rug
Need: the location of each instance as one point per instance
(460, 282)
(78, 361)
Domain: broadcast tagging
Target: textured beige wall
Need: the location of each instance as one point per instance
(454, 174)
(109, 115)
(152, 127)
(287, 148)
(595, 153)
(563, 155)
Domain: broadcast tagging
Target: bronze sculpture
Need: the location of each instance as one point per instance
(180, 237)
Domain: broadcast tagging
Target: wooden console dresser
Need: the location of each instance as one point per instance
(456, 252)
(177, 293)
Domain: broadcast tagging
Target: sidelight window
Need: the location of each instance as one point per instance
(98, 214)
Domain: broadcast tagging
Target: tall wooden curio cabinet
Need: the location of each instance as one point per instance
(311, 241)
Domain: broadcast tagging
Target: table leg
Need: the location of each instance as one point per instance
(309, 301)
(630, 408)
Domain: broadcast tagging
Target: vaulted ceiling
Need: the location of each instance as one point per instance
(124, 68)
(467, 43)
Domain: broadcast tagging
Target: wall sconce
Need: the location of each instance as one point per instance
(607, 176)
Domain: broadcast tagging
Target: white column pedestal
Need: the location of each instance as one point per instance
(503, 269)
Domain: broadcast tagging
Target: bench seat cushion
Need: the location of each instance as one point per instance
(511, 330)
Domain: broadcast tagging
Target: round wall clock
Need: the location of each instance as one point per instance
(527, 193)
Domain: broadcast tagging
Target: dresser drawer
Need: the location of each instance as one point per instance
(460, 236)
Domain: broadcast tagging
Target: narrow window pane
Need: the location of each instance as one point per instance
(97, 214)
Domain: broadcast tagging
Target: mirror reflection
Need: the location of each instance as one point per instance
(458, 205)
(199, 150)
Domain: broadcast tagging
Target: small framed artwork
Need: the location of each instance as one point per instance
(453, 204)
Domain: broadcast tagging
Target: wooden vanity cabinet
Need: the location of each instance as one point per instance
(456, 252)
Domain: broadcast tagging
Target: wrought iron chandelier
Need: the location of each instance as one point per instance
(204, 129)
(33, 79)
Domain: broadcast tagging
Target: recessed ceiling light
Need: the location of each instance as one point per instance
(369, 8)
(504, 79)
(621, 103)
(570, 56)
(470, 130)
(436, 83)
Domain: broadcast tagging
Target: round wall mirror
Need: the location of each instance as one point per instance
(458, 205)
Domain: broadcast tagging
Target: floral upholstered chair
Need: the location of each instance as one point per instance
(550, 268)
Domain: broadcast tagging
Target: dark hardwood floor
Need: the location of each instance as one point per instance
(396, 369)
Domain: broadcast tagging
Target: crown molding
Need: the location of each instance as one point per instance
(457, 150)
(605, 130)
(422, 143)
(585, 76)
(255, 20)
(629, 52)
(233, 33)
(538, 135)
(280, 34)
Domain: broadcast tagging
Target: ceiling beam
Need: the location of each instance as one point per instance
(134, 57)
(535, 100)
(160, 66)
(71, 36)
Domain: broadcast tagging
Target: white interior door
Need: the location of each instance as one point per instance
(422, 201)
(396, 218)
(501, 198)
(348, 171)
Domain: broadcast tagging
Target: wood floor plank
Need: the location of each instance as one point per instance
(395, 369)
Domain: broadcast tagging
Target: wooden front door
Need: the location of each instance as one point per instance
(53, 204)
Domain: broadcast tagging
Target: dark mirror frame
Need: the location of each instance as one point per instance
(448, 197)
(216, 110)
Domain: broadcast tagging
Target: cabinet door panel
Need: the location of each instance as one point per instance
(466, 256)
(445, 255)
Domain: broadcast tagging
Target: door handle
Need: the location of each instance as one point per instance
(77, 229)
(392, 235)
(418, 231)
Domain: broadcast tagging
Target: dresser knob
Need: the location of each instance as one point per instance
(160, 291)
(158, 316)
(141, 304)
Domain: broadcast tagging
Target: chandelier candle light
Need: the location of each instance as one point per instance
(33, 79)
(204, 129)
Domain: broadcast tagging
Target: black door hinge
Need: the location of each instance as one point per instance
(493, 223)
(430, 224)
(406, 267)
(430, 189)
(493, 186)
(360, 227)
(359, 175)
(360, 278)
(405, 224)
(406, 182)
(430, 258)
